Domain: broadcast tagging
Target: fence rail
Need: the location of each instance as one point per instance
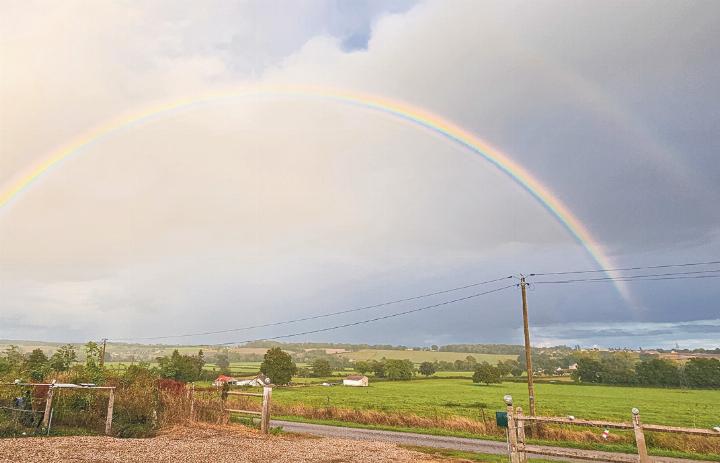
(518, 449)
(264, 414)
(53, 386)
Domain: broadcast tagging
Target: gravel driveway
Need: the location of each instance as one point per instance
(203, 443)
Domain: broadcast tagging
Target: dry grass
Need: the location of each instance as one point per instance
(687, 443)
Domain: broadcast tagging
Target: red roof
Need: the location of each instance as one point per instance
(224, 379)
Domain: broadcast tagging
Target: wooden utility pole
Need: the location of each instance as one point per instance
(528, 353)
(102, 353)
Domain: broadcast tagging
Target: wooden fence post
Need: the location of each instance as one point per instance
(639, 437)
(109, 418)
(192, 402)
(522, 456)
(512, 434)
(48, 406)
(265, 417)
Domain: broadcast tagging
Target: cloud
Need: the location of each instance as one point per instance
(688, 335)
(267, 208)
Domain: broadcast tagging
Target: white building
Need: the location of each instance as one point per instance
(259, 380)
(356, 380)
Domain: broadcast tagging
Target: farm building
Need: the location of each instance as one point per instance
(355, 380)
(222, 380)
(259, 380)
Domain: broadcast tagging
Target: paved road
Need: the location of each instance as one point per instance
(453, 443)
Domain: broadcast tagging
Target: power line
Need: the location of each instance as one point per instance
(316, 317)
(631, 277)
(650, 267)
(362, 322)
(601, 280)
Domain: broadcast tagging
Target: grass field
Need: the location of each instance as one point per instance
(422, 356)
(445, 397)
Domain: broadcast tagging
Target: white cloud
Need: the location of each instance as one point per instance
(291, 200)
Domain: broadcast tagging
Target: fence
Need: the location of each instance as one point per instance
(518, 449)
(44, 393)
(264, 414)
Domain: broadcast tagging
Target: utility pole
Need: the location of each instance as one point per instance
(102, 353)
(528, 354)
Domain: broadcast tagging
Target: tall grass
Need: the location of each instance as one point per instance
(143, 405)
(556, 433)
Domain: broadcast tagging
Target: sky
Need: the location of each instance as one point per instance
(251, 210)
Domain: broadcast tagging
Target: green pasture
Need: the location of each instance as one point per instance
(444, 397)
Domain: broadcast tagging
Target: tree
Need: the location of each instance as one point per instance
(37, 364)
(14, 357)
(486, 373)
(321, 368)
(506, 367)
(362, 367)
(399, 370)
(427, 368)
(589, 370)
(92, 355)
(658, 372)
(222, 361)
(200, 362)
(618, 368)
(63, 358)
(180, 367)
(278, 366)
(702, 372)
(378, 367)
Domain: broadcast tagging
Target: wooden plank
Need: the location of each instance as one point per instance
(640, 438)
(192, 402)
(521, 436)
(48, 406)
(577, 422)
(109, 418)
(265, 422)
(253, 394)
(25, 384)
(610, 424)
(674, 429)
(581, 454)
(512, 436)
(249, 412)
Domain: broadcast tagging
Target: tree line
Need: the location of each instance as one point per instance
(626, 370)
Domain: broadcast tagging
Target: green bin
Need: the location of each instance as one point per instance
(501, 419)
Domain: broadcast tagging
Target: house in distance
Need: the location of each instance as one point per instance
(356, 380)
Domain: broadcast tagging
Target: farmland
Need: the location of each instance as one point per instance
(445, 397)
(419, 356)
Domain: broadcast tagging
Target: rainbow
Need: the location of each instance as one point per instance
(414, 115)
